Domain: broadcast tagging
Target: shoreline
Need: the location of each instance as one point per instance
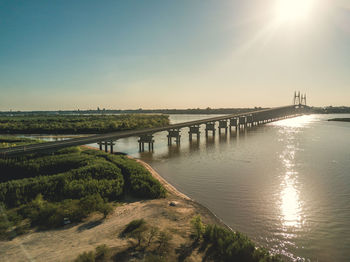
(173, 190)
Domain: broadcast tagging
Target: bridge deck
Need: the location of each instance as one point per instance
(19, 150)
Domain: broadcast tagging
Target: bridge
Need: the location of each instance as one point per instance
(223, 123)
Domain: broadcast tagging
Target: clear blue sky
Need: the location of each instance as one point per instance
(172, 53)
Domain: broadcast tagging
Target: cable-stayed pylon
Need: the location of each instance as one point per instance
(297, 99)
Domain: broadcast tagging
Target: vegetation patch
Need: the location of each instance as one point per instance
(212, 242)
(101, 253)
(47, 191)
(133, 226)
(11, 141)
(81, 124)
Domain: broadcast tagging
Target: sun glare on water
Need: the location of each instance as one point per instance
(287, 11)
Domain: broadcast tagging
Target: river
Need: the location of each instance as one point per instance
(285, 184)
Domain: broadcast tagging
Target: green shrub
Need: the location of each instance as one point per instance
(5, 227)
(132, 226)
(233, 246)
(198, 227)
(102, 252)
(44, 214)
(86, 257)
(139, 182)
(164, 241)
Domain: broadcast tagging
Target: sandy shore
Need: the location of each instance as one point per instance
(66, 243)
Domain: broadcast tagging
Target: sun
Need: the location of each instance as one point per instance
(287, 11)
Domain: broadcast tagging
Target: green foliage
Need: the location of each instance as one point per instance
(74, 175)
(11, 141)
(46, 189)
(83, 174)
(138, 180)
(152, 233)
(198, 227)
(44, 214)
(81, 124)
(5, 227)
(86, 257)
(102, 252)
(225, 245)
(132, 226)
(164, 238)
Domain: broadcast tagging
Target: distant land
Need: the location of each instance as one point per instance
(208, 110)
(340, 119)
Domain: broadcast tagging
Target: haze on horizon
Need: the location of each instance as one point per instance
(173, 54)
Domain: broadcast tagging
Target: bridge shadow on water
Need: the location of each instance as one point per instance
(194, 146)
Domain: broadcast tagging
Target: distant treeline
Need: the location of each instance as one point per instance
(207, 110)
(330, 110)
(49, 190)
(340, 119)
(78, 124)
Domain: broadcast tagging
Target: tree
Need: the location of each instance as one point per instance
(153, 232)
(198, 227)
(164, 241)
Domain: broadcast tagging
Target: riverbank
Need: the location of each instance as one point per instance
(340, 119)
(172, 214)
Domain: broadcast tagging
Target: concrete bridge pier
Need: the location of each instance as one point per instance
(194, 130)
(222, 124)
(111, 144)
(233, 123)
(242, 121)
(249, 120)
(146, 139)
(103, 143)
(100, 144)
(174, 133)
(210, 126)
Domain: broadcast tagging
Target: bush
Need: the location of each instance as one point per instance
(86, 257)
(102, 252)
(164, 241)
(139, 182)
(233, 246)
(46, 214)
(5, 227)
(132, 226)
(198, 227)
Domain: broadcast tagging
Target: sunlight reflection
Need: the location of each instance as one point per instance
(300, 121)
(290, 205)
(290, 202)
